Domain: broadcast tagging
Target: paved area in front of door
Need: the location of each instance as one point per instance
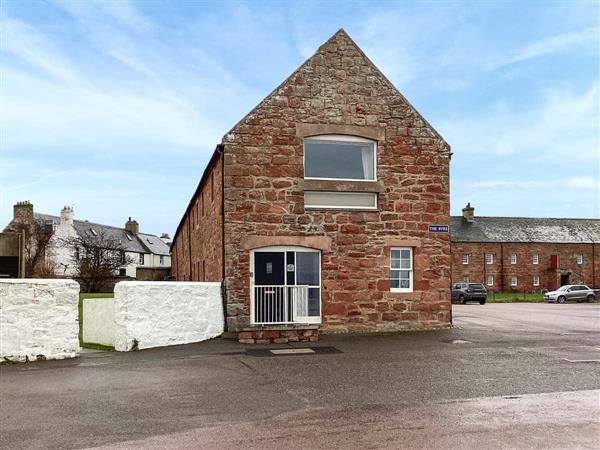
(469, 387)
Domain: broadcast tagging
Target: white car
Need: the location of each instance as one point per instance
(577, 292)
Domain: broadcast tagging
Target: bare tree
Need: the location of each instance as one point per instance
(36, 246)
(97, 258)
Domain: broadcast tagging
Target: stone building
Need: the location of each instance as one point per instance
(524, 254)
(314, 210)
(145, 251)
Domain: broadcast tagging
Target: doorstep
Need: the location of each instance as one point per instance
(278, 334)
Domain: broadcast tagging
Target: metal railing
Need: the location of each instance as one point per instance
(279, 304)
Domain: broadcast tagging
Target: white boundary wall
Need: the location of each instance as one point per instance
(38, 319)
(161, 313)
(99, 321)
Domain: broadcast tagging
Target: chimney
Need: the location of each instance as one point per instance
(66, 216)
(165, 238)
(23, 211)
(469, 213)
(132, 226)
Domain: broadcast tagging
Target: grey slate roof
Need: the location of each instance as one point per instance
(525, 229)
(143, 243)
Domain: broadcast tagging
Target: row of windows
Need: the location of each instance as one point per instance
(514, 281)
(199, 210)
(535, 259)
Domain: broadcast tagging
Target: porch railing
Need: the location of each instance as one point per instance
(279, 304)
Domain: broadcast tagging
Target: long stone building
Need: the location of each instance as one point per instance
(524, 254)
(326, 208)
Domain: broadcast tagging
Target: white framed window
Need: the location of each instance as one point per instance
(536, 259)
(513, 259)
(465, 279)
(489, 258)
(141, 259)
(579, 259)
(340, 157)
(536, 280)
(340, 200)
(465, 258)
(489, 280)
(513, 281)
(161, 260)
(401, 269)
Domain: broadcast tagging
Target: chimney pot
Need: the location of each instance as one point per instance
(132, 226)
(469, 213)
(23, 211)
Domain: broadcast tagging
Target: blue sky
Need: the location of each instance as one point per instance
(115, 107)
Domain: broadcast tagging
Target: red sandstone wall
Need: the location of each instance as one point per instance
(198, 251)
(264, 196)
(524, 270)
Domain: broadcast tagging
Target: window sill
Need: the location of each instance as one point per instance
(341, 186)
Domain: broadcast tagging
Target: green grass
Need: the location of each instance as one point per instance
(514, 297)
(86, 344)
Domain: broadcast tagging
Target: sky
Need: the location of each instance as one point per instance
(114, 107)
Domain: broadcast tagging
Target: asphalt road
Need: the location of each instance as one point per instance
(469, 387)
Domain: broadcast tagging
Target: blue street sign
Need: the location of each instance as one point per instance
(438, 228)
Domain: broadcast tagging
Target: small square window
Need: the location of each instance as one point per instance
(536, 259)
(489, 258)
(490, 280)
(513, 259)
(536, 280)
(579, 259)
(513, 281)
(401, 269)
(465, 258)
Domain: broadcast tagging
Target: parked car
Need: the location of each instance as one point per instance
(578, 292)
(469, 292)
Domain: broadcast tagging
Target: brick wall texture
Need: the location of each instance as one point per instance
(338, 91)
(525, 270)
(197, 253)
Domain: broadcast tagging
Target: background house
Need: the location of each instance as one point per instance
(145, 251)
(524, 254)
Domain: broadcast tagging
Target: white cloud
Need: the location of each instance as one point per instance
(584, 183)
(552, 44)
(565, 124)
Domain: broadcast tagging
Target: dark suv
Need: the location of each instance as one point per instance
(469, 292)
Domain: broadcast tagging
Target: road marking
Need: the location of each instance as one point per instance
(582, 360)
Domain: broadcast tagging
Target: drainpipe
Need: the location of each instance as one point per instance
(189, 249)
(221, 151)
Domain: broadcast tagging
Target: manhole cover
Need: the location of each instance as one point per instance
(291, 351)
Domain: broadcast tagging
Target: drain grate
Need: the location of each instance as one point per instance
(292, 351)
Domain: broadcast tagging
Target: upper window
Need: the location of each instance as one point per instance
(465, 258)
(141, 259)
(536, 259)
(339, 157)
(489, 258)
(579, 259)
(513, 259)
(401, 269)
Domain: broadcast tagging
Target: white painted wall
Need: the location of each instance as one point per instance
(160, 313)
(99, 321)
(38, 318)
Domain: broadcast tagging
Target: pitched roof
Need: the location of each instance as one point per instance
(525, 229)
(339, 35)
(143, 243)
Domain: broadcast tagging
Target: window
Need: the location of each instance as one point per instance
(465, 258)
(93, 232)
(490, 280)
(161, 260)
(536, 280)
(513, 281)
(340, 158)
(466, 279)
(401, 269)
(536, 259)
(579, 259)
(141, 260)
(77, 253)
(513, 259)
(129, 238)
(489, 258)
(340, 200)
